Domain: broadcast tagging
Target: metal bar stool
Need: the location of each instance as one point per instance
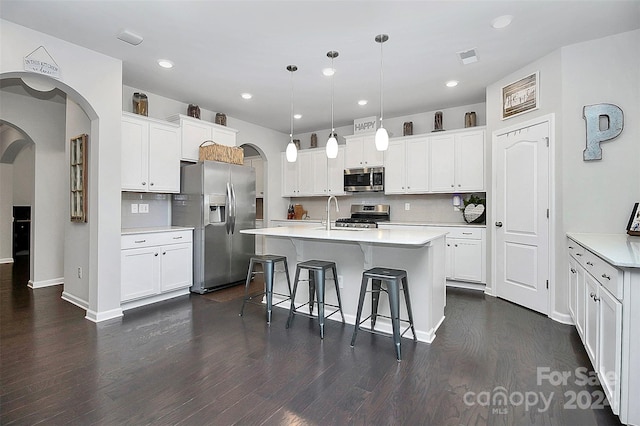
(268, 262)
(392, 278)
(317, 275)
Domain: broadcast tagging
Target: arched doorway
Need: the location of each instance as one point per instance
(255, 157)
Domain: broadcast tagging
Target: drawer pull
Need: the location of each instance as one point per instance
(596, 299)
(177, 238)
(164, 252)
(573, 271)
(570, 247)
(466, 233)
(155, 254)
(589, 263)
(606, 276)
(140, 241)
(578, 254)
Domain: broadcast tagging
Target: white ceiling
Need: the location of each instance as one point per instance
(223, 48)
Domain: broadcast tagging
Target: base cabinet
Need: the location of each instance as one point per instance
(154, 265)
(598, 316)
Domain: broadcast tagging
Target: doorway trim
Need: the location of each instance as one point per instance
(550, 119)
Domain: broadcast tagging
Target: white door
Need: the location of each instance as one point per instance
(522, 223)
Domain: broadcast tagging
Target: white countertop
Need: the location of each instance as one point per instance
(132, 231)
(442, 224)
(418, 237)
(619, 250)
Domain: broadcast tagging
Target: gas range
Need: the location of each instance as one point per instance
(365, 216)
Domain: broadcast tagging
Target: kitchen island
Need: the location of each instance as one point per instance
(421, 252)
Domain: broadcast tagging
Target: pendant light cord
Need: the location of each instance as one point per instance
(332, 77)
(381, 79)
(291, 134)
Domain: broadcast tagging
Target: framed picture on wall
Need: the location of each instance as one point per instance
(521, 96)
(633, 227)
(78, 178)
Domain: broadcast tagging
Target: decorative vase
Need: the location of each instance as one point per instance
(297, 143)
(140, 104)
(470, 119)
(193, 111)
(221, 119)
(407, 128)
(314, 140)
(437, 123)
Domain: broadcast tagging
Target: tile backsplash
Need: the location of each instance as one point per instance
(158, 206)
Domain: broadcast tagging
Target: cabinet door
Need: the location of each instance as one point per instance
(417, 165)
(140, 270)
(469, 165)
(371, 157)
(353, 153)
(573, 288)
(467, 259)
(193, 134)
(258, 165)
(591, 317)
(176, 264)
(164, 158)
(289, 177)
(442, 163)
(395, 168)
(134, 154)
(449, 259)
(610, 348)
(305, 173)
(223, 136)
(581, 300)
(335, 170)
(320, 173)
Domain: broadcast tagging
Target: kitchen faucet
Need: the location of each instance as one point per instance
(328, 211)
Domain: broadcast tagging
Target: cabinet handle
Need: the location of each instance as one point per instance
(452, 185)
(144, 183)
(570, 247)
(177, 238)
(573, 271)
(155, 254)
(151, 184)
(606, 276)
(455, 245)
(459, 185)
(164, 252)
(591, 295)
(140, 241)
(589, 263)
(578, 254)
(466, 233)
(448, 245)
(596, 299)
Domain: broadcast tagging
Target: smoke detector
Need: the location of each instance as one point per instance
(130, 37)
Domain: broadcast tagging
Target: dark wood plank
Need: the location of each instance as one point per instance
(193, 361)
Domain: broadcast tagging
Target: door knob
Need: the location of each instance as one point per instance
(499, 224)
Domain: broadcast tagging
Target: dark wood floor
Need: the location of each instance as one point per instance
(194, 361)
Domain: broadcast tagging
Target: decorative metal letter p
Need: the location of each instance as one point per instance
(612, 116)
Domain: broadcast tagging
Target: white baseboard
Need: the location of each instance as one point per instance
(75, 300)
(104, 315)
(153, 299)
(562, 318)
(45, 283)
(467, 285)
(6, 260)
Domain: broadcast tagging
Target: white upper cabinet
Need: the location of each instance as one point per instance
(150, 155)
(457, 161)
(335, 173)
(193, 132)
(361, 152)
(406, 163)
(313, 174)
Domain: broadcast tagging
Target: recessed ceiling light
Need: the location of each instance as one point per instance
(452, 83)
(329, 71)
(297, 116)
(363, 102)
(501, 21)
(165, 63)
(246, 95)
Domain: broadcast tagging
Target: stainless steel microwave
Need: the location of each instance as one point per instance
(368, 179)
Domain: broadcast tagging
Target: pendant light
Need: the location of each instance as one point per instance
(292, 151)
(382, 137)
(332, 143)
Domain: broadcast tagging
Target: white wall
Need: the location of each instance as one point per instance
(6, 212)
(77, 234)
(81, 69)
(45, 179)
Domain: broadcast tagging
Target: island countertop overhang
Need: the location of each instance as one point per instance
(417, 237)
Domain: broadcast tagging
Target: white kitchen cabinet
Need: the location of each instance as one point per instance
(465, 254)
(313, 174)
(406, 163)
(150, 155)
(194, 132)
(602, 314)
(361, 152)
(457, 161)
(155, 266)
(258, 164)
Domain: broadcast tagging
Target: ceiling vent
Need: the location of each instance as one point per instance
(129, 37)
(468, 56)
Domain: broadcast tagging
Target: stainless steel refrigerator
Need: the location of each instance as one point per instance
(218, 200)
